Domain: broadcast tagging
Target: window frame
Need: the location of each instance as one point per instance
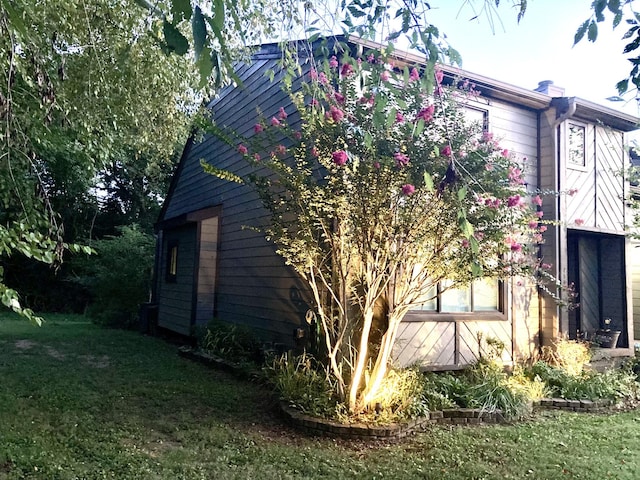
(584, 166)
(435, 315)
(171, 267)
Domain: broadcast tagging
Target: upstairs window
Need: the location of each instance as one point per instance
(576, 142)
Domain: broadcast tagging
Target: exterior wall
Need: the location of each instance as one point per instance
(175, 298)
(243, 278)
(634, 258)
(439, 343)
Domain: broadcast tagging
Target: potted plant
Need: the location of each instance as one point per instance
(605, 337)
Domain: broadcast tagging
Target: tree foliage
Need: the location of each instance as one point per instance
(621, 10)
(380, 193)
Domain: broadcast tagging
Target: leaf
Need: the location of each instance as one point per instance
(580, 32)
(465, 227)
(622, 86)
(598, 8)
(462, 193)
(174, 39)
(632, 46)
(218, 14)
(355, 12)
(592, 34)
(476, 269)
(454, 56)
(181, 10)
(220, 173)
(15, 19)
(428, 182)
(199, 28)
(629, 33)
(617, 19)
(614, 6)
(205, 66)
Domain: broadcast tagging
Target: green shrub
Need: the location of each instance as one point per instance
(232, 342)
(303, 384)
(588, 385)
(118, 277)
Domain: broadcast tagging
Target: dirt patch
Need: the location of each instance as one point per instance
(102, 361)
(25, 344)
(52, 352)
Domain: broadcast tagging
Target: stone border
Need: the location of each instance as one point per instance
(217, 362)
(360, 431)
(574, 405)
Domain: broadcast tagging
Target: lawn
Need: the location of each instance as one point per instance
(82, 402)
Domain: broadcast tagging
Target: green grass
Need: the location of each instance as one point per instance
(81, 402)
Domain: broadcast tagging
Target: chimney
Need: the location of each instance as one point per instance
(547, 86)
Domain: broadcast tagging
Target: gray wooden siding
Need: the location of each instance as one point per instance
(599, 198)
(634, 261)
(438, 344)
(175, 298)
(245, 281)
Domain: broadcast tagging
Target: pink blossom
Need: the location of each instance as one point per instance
(346, 70)
(426, 114)
(399, 117)
(297, 135)
(282, 114)
(339, 97)
(376, 165)
(515, 176)
(414, 75)
(371, 58)
(514, 201)
(281, 150)
(313, 74)
(542, 229)
(336, 114)
(579, 221)
(487, 137)
(537, 238)
(465, 243)
(314, 102)
(401, 159)
(537, 200)
(572, 192)
(446, 151)
(333, 62)
(439, 75)
(408, 189)
(519, 283)
(256, 157)
(275, 122)
(516, 247)
(488, 167)
(533, 224)
(314, 152)
(322, 78)
(540, 214)
(546, 266)
(505, 153)
(479, 235)
(339, 157)
(242, 149)
(384, 76)
(257, 128)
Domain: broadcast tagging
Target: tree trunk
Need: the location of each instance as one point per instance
(363, 354)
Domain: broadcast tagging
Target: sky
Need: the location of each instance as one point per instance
(539, 48)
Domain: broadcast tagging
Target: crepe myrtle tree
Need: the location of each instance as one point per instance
(380, 191)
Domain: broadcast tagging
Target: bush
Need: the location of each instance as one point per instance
(302, 383)
(232, 342)
(118, 277)
(570, 356)
(588, 385)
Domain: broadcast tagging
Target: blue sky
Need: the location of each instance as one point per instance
(539, 48)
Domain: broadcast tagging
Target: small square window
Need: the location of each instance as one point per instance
(482, 295)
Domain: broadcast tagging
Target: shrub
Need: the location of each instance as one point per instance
(118, 277)
(232, 342)
(302, 382)
(568, 355)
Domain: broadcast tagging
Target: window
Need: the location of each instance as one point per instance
(483, 295)
(576, 145)
(477, 116)
(172, 262)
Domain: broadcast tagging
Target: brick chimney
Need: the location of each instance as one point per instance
(547, 86)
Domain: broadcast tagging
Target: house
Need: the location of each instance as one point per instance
(211, 263)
